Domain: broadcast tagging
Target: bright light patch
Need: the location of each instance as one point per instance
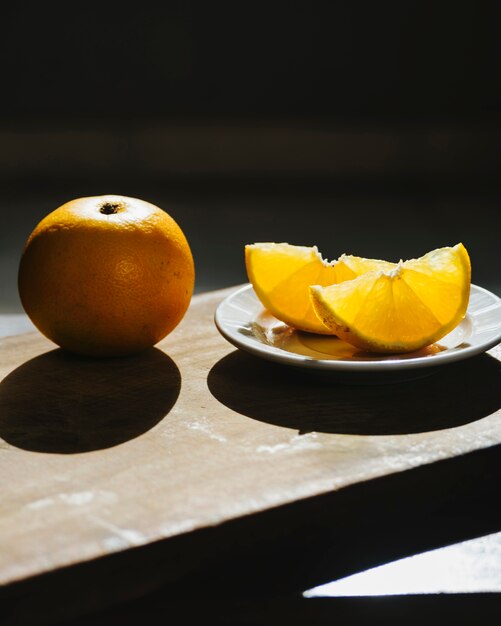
(468, 567)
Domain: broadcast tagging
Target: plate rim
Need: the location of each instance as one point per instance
(273, 353)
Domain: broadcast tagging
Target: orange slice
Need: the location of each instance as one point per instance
(401, 309)
(281, 274)
(349, 266)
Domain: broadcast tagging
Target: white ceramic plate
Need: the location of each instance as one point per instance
(243, 321)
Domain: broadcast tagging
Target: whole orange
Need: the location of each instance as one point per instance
(106, 275)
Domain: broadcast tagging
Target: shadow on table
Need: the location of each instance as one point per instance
(457, 609)
(434, 609)
(61, 403)
(307, 400)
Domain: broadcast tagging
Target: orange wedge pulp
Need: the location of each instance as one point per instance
(403, 309)
(281, 275)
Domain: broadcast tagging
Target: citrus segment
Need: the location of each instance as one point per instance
(281, 274)
(402, 309)
(349, 266)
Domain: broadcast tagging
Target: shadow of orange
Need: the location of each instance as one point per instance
(61, 403)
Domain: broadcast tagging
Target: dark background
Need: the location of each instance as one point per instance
(332, 61)
(363, 127)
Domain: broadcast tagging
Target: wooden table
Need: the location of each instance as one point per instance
(195, 466)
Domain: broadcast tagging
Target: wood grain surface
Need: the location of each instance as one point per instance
(101, 458)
